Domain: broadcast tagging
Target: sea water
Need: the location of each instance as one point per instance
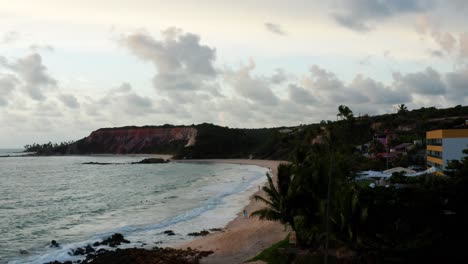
(62, 199)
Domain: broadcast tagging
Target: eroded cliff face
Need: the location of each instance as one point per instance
(136, 140)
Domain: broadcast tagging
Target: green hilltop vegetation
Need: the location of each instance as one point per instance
(280, 143)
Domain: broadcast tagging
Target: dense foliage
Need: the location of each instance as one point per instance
(419, 219)
(49, 148)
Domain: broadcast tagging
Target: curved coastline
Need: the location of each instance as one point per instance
(243, 238)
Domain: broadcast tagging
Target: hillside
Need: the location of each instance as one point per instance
(196, 141)
(211, 141)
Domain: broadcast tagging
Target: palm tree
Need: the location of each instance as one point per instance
(402, 109)
(279, 198)
(344, 112)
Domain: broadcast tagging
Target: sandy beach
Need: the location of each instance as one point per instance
(243, 238)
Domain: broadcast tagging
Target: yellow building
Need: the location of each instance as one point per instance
(445, 145)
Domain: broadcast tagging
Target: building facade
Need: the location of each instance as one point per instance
(445, 145)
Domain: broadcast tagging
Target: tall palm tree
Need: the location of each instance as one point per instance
(278, 201)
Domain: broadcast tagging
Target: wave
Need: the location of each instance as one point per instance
(138, 231)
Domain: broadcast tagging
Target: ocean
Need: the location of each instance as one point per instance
(60, 198)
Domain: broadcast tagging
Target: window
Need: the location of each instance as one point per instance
(433, 153)
(434, 141)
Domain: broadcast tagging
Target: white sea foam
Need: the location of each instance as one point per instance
(189, 198)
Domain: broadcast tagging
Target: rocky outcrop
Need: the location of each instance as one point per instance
(128, 140)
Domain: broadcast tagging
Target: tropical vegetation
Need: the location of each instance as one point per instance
(422, 219)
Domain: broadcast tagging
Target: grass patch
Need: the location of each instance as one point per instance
(272, 255)
(365, 183)
(275, 255)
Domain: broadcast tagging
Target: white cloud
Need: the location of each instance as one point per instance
(255, 88)
(182, 63)
(7, 85)
(300, 95)
(69, 101)
(35, 79)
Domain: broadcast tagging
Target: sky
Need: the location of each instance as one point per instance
(70, 67)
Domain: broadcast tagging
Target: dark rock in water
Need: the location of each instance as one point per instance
(115, 240)
(89, 249)
(158, 242)
(77, 252)
(58, 262)
(23, 252)
(151, 161)
(216, 229)
(201, 233)
(54, 244)
(96, 244)
(169, 233)
(101, 163)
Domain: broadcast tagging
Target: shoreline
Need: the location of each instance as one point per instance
(243, 238)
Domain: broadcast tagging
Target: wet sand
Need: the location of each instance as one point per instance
(243, 238)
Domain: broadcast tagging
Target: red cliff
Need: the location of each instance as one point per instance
(136, 140)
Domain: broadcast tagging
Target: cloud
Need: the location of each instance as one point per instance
(457, 83)
(255, 88)
(274, 28)
(32, 74)
(428, 82)
(181, 61)
(7, 85)
(10, 37)
(436, 53)
(464, 45)
(359, 15)
(123, 99)
(69, 101)
(445, 40)
(377, 92)
(300, 95)
(366, 61)
(279, 76)
(37, 48)
(329, 89)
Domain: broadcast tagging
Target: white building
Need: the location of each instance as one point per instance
(445, 145)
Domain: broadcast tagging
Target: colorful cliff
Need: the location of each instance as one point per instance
(128, 140)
